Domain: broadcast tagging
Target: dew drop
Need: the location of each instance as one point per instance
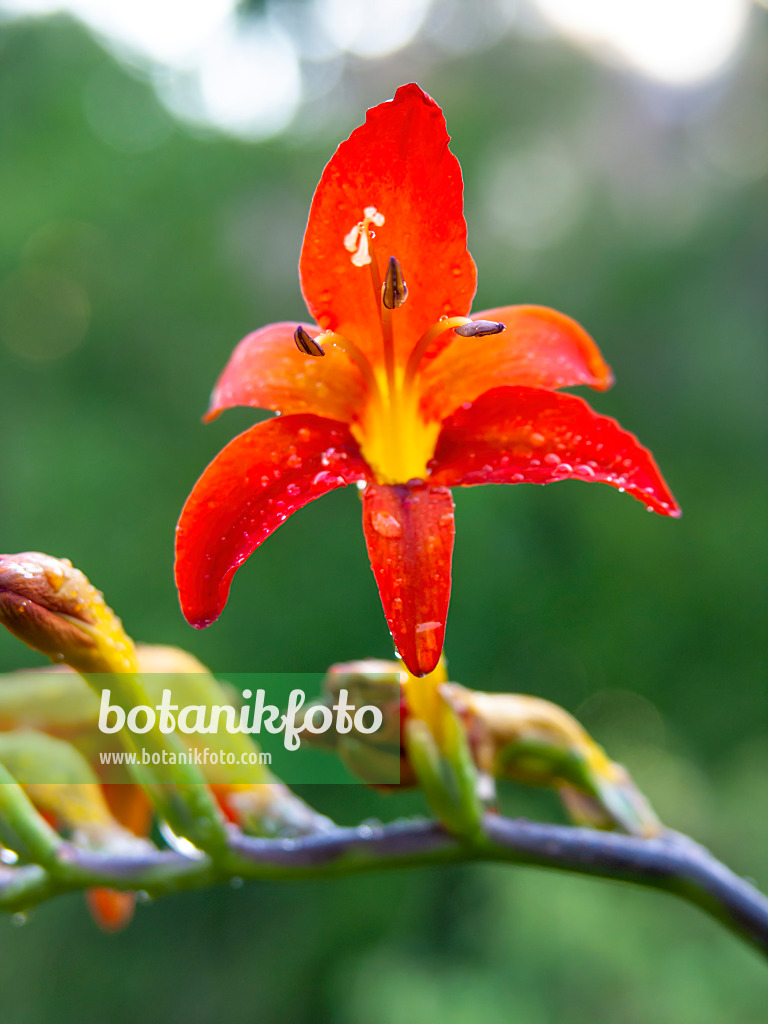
(537, 439)
(552, 459)
(304, 434)
(293, 490)
(386, 524)
(18, 919)
(293, 462)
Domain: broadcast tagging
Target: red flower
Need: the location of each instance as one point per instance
(411, 397)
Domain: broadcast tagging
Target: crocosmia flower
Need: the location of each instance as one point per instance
(397, 388)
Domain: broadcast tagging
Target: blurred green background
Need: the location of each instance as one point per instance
(136, 250)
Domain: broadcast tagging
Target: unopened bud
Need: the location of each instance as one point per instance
(52, 607)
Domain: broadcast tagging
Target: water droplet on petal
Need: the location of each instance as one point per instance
(293, 462)
(386, 524)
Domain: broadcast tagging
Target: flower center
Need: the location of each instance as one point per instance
(395, 437)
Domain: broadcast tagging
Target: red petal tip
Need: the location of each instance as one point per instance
(409, 531)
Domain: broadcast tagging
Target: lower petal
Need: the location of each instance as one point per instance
(249, 489)
(531, 435)
(409, 530)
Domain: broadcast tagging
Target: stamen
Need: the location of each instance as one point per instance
(420, 348)
(462, 325)
(306, 343)
(479, 328)
(394, 291)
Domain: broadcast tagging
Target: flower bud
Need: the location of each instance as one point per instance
(52, 607)
(533, 741)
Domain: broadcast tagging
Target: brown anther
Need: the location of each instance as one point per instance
(306, 343)
(394, 291)
(479, 328)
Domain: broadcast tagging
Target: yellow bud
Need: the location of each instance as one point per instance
(52, 607)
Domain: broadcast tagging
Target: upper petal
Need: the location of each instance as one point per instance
(268, 371)
(399, 163)
(250, 488)
(530, 435)
(409, 532)
(539, 348)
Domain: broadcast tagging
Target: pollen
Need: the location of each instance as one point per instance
(357, 238)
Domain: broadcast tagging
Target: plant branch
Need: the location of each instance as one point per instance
(672, 862)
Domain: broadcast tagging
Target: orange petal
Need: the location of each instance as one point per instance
(266, 370)
(409, 532)
(531, 435)
(399, 163)
(249, 489)
(130, 805)
(111, 909)
(539, 348)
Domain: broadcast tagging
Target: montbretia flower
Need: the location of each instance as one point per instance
(397, 388)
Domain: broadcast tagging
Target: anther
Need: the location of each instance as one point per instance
(306, 343)
(394, 291)
(479, 328)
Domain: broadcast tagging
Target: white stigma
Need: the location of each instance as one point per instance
(356, 240)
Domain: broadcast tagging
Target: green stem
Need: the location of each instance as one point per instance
(671, 863)
(24, 830)
(179, 791)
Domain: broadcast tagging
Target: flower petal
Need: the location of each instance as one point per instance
(539, 348)
(399, 163)
(249, 489)
(266, 370)
(409, 532)
(531, 435)
(111, 909)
